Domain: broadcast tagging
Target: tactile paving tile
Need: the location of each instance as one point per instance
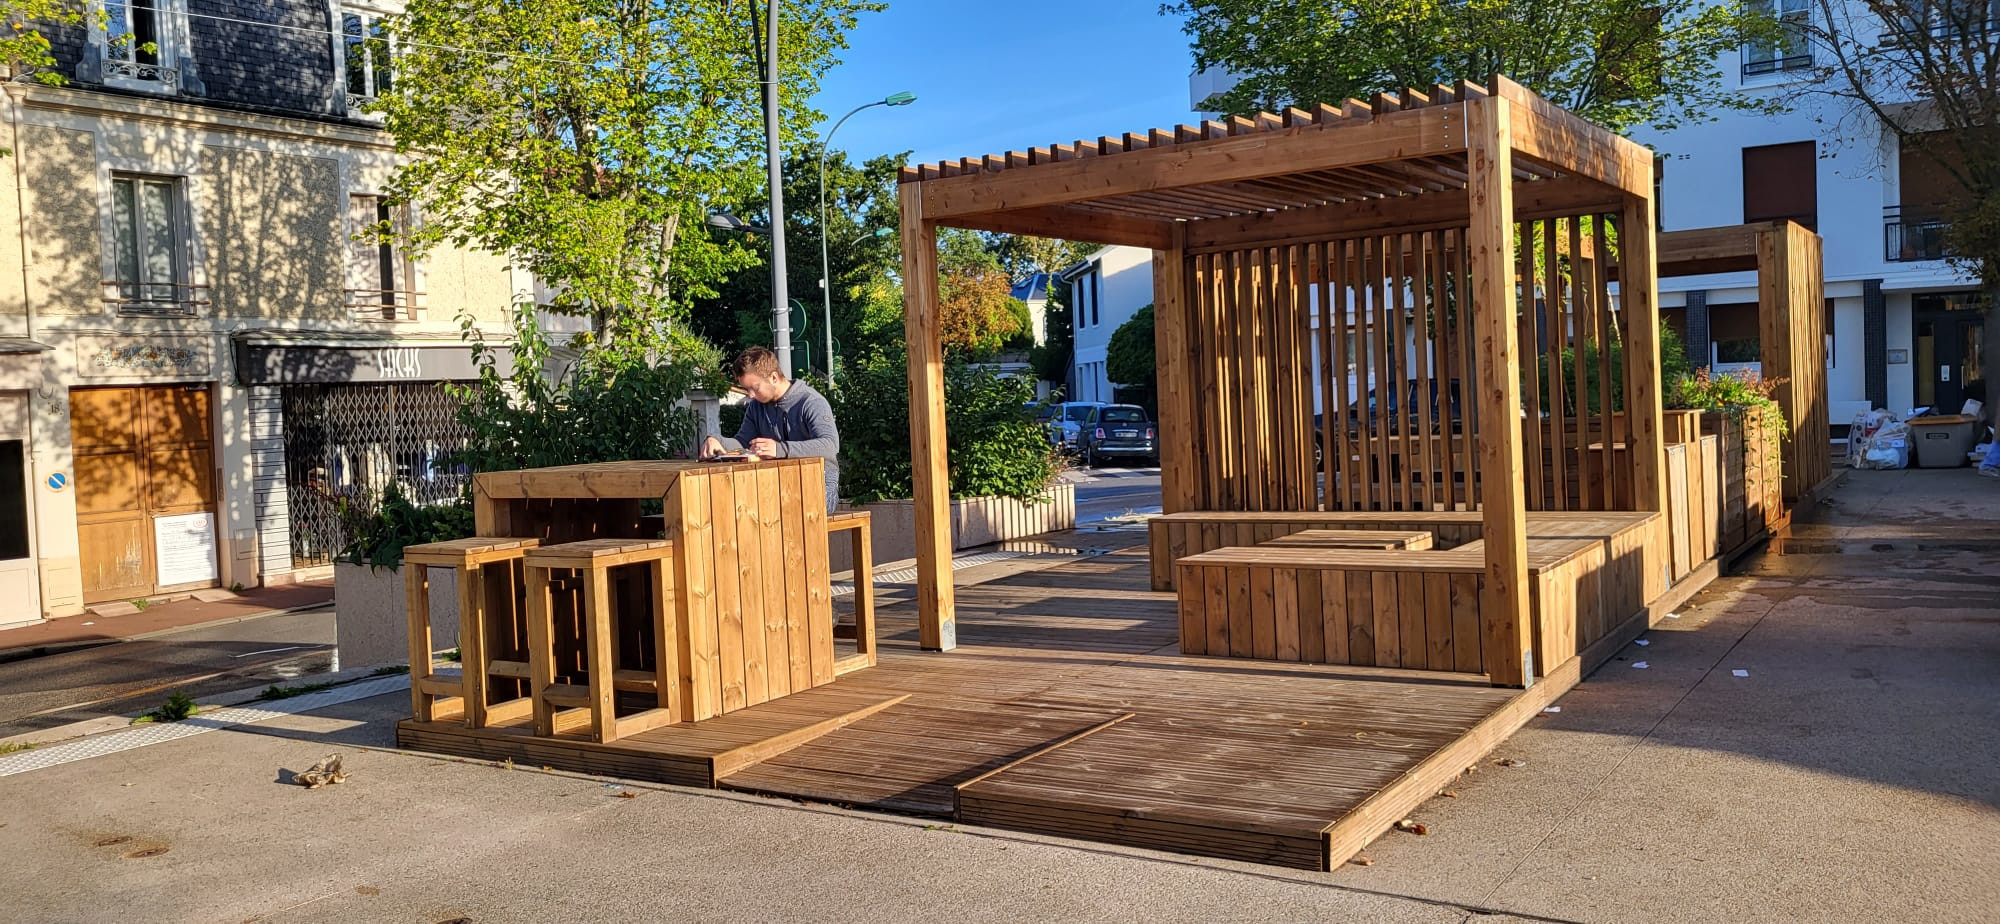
(139, 736)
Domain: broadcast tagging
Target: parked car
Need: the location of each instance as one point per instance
(1070, 420)
(1044, 414)
(1119, 430)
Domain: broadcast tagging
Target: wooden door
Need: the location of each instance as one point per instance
(141, 453)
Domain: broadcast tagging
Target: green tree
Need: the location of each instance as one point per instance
(1619, 63)
(1928, 73)
(580, 137)
(1128, 358)
(1051, 358)
(863, 257)
(25, 50)
(1023, 256)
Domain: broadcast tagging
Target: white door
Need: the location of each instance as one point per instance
(20, 597)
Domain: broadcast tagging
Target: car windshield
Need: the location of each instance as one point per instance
(1122, 415)
(1044, 412)
(1077, 412)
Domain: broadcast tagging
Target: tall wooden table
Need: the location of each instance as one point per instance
(751, 602)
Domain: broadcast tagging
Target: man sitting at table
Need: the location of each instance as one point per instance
(784, 419)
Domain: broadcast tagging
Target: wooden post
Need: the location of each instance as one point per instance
(417, 606)
(1638, 294)
(1790, 310)
(472, 656)
(936, 628)
(1175, 386)
(1505, 634)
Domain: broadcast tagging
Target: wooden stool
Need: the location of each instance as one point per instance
(434, 697)
(857, 524)
(593, 560)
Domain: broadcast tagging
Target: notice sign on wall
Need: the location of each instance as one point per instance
(184, 547)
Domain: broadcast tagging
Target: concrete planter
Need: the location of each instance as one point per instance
(974, 521)
(371, 617)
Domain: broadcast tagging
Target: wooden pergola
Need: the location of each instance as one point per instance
(1391, 225)
(1791, 321)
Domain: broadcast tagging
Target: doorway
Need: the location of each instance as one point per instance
(19, 583)
(1949, 338)
(145, 490)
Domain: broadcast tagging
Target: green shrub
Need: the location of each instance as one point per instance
(377, 537)
(1746, 394)
(177, 707)
(1673, 367)
(994, 446)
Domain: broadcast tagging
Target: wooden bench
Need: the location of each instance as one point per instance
(1415, 540)
(592, 561)
(434, 697)
(1416, 609)
(1175, 535)
(858, 525)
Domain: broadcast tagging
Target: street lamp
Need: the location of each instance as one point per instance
(902, 98)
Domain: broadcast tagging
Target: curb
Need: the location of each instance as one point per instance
(26, 652)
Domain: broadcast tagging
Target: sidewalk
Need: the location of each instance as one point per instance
(72, 632)
(1847, 773)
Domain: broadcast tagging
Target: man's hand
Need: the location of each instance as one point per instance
(764, 447)
(711, 447)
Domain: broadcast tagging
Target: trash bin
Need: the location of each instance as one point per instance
(1943, 441)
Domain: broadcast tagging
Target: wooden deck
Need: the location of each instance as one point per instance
(1067, 710)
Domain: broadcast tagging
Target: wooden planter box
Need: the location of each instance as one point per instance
(371, 615)
(975, 521)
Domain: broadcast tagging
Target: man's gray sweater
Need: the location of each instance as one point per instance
(801, 423)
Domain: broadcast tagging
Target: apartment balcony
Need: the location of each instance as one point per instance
(383, 304)
(1913, 234)
(156, 299)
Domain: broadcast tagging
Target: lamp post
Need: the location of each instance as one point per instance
(902, 98)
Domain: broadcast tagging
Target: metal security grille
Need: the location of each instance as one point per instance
(345, 444)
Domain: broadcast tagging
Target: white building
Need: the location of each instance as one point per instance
(1105, 290)
(1904, 326)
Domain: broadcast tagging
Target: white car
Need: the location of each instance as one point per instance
(1071, 416)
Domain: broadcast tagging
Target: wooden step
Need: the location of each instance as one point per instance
(568, 695)
(515, 669)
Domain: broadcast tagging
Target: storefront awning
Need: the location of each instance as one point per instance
(279, 357)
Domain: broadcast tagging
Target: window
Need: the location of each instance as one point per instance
(1945, 19)
(1790, 50)
(1084, 294)
(378, 273)
(1780, 182)
(145, 245)
(365, 52)
(1122, 415)
(139, 44)
(1096, 296)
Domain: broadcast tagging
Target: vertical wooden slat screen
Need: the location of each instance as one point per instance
(1383, 323)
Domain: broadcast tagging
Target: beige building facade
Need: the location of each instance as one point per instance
(199, 363)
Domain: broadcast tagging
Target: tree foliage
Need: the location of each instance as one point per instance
(863, 257)
(1928, 74)
(1023, 256)
(581, 137)
(1128, 358)
(25, 51)
(977, 311)
(1051, 358)
(994, 447)
(1619, 63)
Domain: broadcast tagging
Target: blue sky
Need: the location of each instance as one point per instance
(990, 77)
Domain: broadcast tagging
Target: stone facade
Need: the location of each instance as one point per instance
(239, 129)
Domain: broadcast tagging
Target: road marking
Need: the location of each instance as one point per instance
(249, 654)
(140, 736)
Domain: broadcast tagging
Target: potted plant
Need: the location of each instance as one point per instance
(370, 601)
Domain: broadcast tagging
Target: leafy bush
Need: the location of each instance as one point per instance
(1673, 367)
(993, 445)
(615, 402)
(377, 537)
(1129, 361)
(1745, 393)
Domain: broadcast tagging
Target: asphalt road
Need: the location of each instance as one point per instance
(125, 677)
(1102, 496)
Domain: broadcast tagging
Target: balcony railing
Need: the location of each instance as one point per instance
(156, 299)
(1775, 65)
(1913, 234)
(383, 304)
